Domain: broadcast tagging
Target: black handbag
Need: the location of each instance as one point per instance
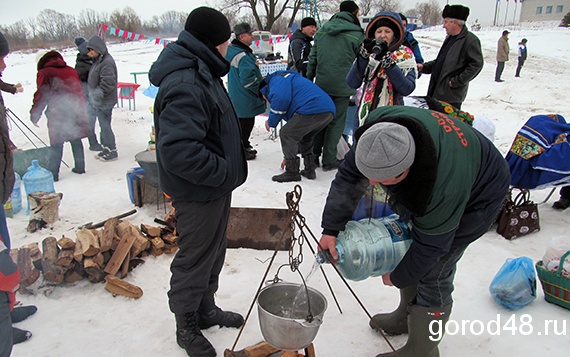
(519, 216)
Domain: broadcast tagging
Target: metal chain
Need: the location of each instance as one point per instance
(296, 224)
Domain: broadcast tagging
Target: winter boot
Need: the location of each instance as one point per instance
(219, 317)
(396, 322)
(421, 342)
(189, 336)
(561, 204)
(20, 313)
(310, 166)
(291, 171)
(19, 336)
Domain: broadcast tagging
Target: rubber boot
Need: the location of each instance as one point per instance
(421, 341)
(291, 171)
(20, 313)
(310, 166)
(396, 322)
(190, 338)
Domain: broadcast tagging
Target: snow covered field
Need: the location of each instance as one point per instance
(85, 320)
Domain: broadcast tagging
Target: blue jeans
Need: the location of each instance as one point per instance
(107, 135)
(434, 289)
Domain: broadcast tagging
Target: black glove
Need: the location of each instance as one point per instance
(366, 47)
(387, 61)
(380, 48)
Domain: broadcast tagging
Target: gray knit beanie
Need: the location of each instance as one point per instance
(384, 151)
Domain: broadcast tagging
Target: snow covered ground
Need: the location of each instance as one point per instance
(85, 320)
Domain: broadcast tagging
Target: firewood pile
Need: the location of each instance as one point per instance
(98, 254)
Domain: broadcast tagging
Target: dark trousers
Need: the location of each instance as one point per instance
(56, 153)
(435, 288)
(499, 70)
(107, 135)
(298, 134)
(327, 139)
(519, 67)
(201, 252)
(6, 341)
(246, 125)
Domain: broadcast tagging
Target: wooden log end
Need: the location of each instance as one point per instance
(117, 286)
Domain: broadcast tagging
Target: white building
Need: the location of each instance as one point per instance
(544, 10)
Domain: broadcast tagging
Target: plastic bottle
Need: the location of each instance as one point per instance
(17, 194)
(37, 179)
(370, 247)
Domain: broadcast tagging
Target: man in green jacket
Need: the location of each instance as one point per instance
(336, 45)
(444, 177)
(243, 84)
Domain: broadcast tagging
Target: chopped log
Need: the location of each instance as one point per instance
(99, 260)
(73, 275)
(170, 248)
(156, 246)
(35, 254)
(88, 242)
(119, 287)
(140, 244)
(44, 209)
(135, 262)
(28, 274)
(120, 254)
(52, 272)
(94, 272)
(90, 225)
(78, 252)
(262, 349)
(66, 243)
(151, 231)
(125, 266)
(65, 258)
(109, 233)
(170, 238)
(107, 256)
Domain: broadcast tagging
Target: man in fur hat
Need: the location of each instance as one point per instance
(458, 62)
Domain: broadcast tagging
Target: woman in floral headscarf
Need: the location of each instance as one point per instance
(385, 66)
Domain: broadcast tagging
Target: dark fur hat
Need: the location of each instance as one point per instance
(458, 12)
(4, 48)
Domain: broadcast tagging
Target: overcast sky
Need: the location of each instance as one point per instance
(15, 10)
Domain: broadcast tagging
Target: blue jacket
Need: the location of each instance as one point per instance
(243, 81)
(290, 93)
(412, 43)
(198, 147)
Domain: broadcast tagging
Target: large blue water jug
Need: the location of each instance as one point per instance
(17, 195)
(37, 179)
(370, 247)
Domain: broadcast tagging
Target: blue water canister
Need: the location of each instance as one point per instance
(370, 247)
(17, 194)
(37, 179)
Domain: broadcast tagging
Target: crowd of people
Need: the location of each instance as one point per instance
(426, 161)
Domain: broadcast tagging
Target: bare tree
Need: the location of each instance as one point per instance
(126, 20)
(17, 34)
(429, 12)
(33, 26)
(54, 26)
(88, 21)
(171, 22)
(269, 10)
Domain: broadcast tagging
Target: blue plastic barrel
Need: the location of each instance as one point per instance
(37, 179)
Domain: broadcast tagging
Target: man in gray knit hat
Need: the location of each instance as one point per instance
(444, 177)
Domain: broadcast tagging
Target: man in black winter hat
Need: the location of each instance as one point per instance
(458, 62)
(200, 162)
(300, 46)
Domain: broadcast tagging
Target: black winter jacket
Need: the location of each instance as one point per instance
(199, 152)
(299, 49)
(461, 65)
